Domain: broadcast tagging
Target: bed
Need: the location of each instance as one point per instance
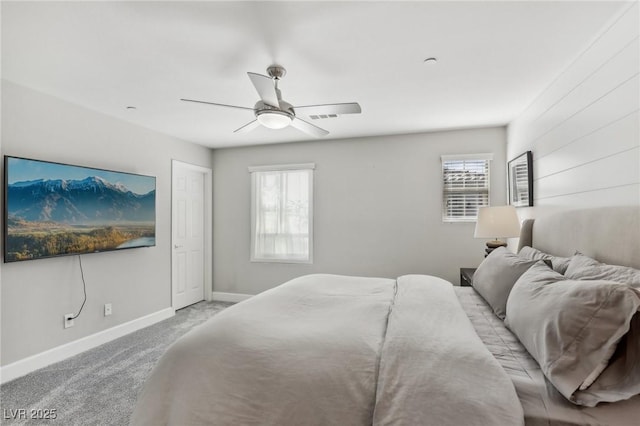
(335, 350)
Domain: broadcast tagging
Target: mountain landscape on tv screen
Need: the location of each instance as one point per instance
(91, 200)
(62, 216)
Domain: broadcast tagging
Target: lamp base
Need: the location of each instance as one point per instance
(492, 245)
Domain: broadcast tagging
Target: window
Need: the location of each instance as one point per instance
(281, 213)
(465, 186)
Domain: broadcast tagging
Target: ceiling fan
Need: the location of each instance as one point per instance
(273, 112)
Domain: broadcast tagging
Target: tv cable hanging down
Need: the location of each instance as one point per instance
(84, 288)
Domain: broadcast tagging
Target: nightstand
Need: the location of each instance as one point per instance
(466, 276)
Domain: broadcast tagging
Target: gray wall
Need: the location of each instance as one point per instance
(377, 207)
(36, 294)
(583, 129)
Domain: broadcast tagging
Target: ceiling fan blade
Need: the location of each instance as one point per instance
(213, 103)
(308, 128)
(247, 127)
(328, 109)
(266, 88)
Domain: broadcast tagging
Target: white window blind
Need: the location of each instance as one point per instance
(465, 186)
(281, 213)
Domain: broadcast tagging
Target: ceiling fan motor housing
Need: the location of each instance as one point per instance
(276, 71)
(285, 108)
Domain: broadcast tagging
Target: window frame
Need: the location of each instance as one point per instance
(280, 168)
(487, 157)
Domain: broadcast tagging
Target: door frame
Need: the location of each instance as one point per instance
(207, 206)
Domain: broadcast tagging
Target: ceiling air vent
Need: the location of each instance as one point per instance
(318, 117)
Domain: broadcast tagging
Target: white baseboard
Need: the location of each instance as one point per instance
(59, 353)
(221, 296)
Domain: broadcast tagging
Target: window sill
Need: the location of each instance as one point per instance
(308, 262)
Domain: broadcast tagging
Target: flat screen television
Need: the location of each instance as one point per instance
(53, 209)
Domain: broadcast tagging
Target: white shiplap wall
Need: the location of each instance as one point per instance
(583, 129)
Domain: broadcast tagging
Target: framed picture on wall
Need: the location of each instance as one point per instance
(520, 178)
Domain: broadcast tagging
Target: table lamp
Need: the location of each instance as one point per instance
(497, 222)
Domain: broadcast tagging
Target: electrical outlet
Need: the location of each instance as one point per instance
(68, 320)
(107, 309)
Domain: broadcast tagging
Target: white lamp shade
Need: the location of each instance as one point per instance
(274, 119)
(497, 222)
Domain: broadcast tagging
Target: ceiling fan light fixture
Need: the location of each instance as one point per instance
(274, 119)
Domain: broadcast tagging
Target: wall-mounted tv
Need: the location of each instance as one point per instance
(53, 209)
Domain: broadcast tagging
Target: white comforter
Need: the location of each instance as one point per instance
(333, 350)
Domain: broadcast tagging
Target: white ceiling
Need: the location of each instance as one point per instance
(493, 59)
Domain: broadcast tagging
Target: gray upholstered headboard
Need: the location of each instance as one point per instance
(608, 234)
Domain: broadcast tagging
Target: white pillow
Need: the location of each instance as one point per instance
(582, 267)
(496, 275)
(558, 264)
(573, 328)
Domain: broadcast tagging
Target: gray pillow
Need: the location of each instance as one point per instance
(559, 264)
(582, 267)
(496, 275)
(570, 326)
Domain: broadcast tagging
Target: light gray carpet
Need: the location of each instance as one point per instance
(100, 386)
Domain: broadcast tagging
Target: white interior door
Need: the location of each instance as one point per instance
(188, 235)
